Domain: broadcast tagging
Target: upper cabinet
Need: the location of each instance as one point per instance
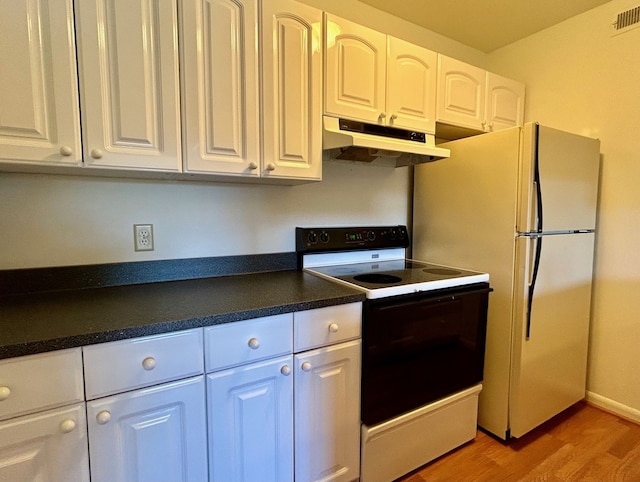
(39, 113)
(220, 85)
(221, 81)
(377, 78)
(291, 90)
(472, 98)
(129, 84)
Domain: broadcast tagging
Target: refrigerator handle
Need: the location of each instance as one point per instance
(532, 284)
(536, 180)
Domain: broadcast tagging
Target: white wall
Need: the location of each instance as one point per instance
(581, 79)
(66, 220)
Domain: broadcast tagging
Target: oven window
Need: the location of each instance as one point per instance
(419, 348)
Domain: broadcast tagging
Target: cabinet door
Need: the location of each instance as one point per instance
(251, 422)
(220, 79)
(461, 94)
(150, 435)
(355, 71)
(505, 102)
(327, 417)
(129, 84)
(49, 446)
(411, 86)
(39, 113)
(292, 90)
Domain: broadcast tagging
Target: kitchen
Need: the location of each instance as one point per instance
(578, 78)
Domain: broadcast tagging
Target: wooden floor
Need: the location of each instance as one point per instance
(581, 444)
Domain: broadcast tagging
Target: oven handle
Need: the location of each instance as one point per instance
(427, 296)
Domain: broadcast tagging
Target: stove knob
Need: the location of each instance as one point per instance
(393, 234)
(371, 236)
(324, 237)
(401, 233)
(312, 237)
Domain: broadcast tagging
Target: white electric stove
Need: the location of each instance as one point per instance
(423, 337)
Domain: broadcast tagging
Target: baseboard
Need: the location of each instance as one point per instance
(616, 408)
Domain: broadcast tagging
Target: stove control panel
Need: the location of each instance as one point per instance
(314, 240)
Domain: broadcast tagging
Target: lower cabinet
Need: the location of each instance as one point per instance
(47, 446)
(327, 414)
(274, 399)
(251, 423)
(146, 410)
(153, 434)
(275, 416)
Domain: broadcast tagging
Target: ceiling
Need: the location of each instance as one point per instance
(485, 24)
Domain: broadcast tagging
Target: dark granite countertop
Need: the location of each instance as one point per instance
(45, 321)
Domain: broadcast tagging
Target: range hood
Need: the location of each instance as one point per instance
(357, 141)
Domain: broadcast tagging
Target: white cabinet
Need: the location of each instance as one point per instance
(377, 78)
(504, 103)
(250, 400)
(220, 86)
(129, 84)
(263, 401)
(222, 42)
(291, 46)
(43, 435)
(150, 435)
(155, 433)
(49, 446)
(39, 113)
(327, 415)
(472, 98)
(251, 422)
(411, 86)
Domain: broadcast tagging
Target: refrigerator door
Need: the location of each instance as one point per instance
(548, 371)
(558, 181)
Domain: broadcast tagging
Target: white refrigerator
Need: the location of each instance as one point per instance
(519, 204)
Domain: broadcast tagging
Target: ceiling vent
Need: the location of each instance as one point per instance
(625, 21)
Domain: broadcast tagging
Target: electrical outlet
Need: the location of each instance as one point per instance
(143, 237)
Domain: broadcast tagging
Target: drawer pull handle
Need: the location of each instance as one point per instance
(254, 343)
(149, 363)
(285, 370)
(333, 328)
(103, 417)
(5, 392)
(306, 366)
(67, 425)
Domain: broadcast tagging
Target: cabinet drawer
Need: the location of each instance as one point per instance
(124, 365)
(325, 326)
(36, 382)
(242, 342)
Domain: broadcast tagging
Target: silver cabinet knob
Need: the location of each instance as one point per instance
(333, 328)
(96, 153)
(271, 167)
(66, 151)
(253, 165)
(306, 366)
(285, 370)
(254, 343)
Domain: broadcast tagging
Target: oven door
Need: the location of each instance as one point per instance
(421, 347)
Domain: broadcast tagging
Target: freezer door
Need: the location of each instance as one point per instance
(563, 182)
(548, 370)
